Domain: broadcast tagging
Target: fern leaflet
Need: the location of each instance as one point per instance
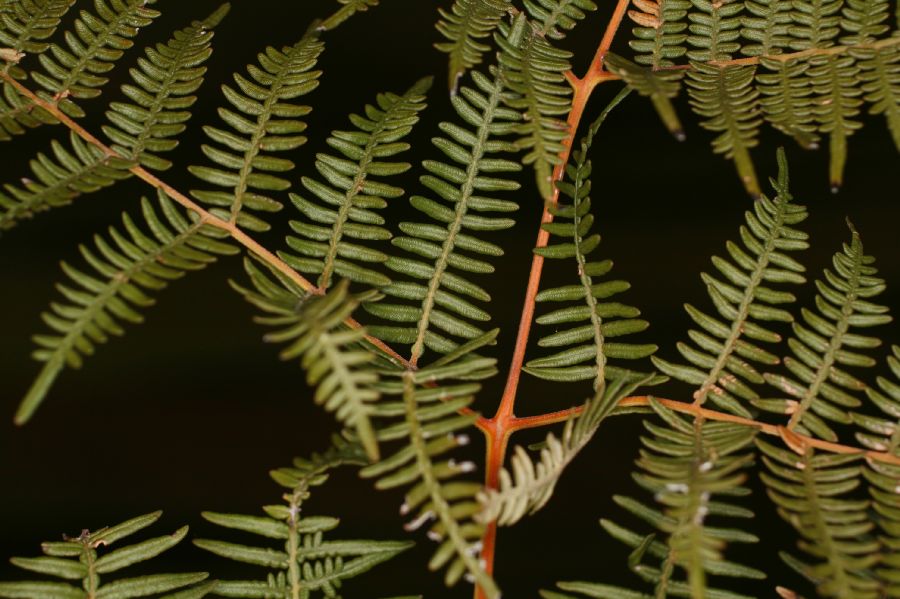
(467, 22)
(25, 25)
(660, 35)
(556, 17)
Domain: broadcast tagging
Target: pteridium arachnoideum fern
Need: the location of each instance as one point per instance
(382, 289)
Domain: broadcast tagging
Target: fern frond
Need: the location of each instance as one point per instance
(527, 486)
(78, 559)
(824, 343)
(659, 86)
(425, 416)
(129, 268)
(660, 35)
(766, 27)
(864, 20)
(313, 329)
(715, 30)
(59, 179)
(597, 319)
(557, 17)
(164, 81)
(352, 192)
(880, 77)
(883, 434)
(162, 84)
(472, 163)
(464, 25)
(347, 10)
(534, 73)
(694, 469)
(722, 361)
(815, 23)
(811, 493)
(787, 100)
(726, 98)
(306, 562)
(97, 42)
(262, 120)
(25, 25)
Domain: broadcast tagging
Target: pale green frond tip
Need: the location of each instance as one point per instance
(217, 16)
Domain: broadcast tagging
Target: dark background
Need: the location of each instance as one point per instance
(190, 411)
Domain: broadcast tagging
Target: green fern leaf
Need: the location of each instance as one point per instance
(660, 35)
(59, 180)
(467, 22)
(819, 387)
(865, 21)
(597, 320)
(458, 183)
(715, 29)
(347, 201)
(19, 114)
(78, 559)
(659, 86)
(329, 351)
(766, 27)
(534, 71)
(786, 99)
(425, 416)
(556, 17)
(815, 23)
(306, 562)
(810, 491)
(726, 98)
(727, 347)
(25, 25)
(99, 40)
(128, 268)
(880, 434)
(347, 10)
(263, 121)
(163, 82)
(880, 76)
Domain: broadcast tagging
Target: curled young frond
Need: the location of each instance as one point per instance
(424, 418)
(263, 119)
(465, 25)
(726, 98)
(25, 25)
(85, 559)
(813, 492)
(459, 218)
(130, 267)
(818, 387)
(693, 468)
(582, 351)
(345, 213)
(534, 73)
(336, 365)
(723, 359)
(304, 561)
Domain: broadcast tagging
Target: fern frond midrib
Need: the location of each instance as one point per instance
(99, 42)
(441, 507)
(834, 344)
(39, 200)
(743, 311)
(293, 544)
(333, 351)
(740, 147)
(454, 228)
(587, 282)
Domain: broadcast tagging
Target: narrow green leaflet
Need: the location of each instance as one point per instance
(659, 86)
(25, 26)
(465, 25)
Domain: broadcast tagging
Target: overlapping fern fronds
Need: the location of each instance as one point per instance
(441, 288)
(723, 361)
(161, 95)
(557, 17)
(465, 25)
(582, 350)
(818, 386)
(345, 212)
(813, 492)
(25, 27)
(305, 562)
(84, 560)
(422, 411)
(329, 351)
(263, 119)
(130, 267)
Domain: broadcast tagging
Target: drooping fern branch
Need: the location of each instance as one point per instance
(81, 559)
(129, 268)
(262, 120)
(347, 202)
(161, 96)
(307, 563)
